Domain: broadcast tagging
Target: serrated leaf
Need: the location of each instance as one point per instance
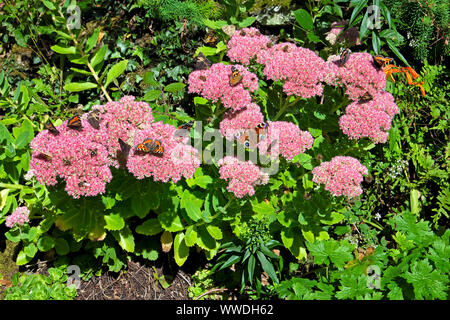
(125, 238)
(215, 232)
(114, 222)
(150, 227)
(191, 236)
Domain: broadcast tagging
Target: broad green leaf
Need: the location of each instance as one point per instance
(49, 4)
(5, 135)
(304, 19)
(152, 95)
(191, 236)
(247, 22)
(180, 249)
(61, 246)
(45, 243)
(192, 204)
(92, 40)
(99, 56)
(22, 258)
(79, 86)
(174, 87)
(215, 232)
(125, 239)
(170, 221)
(30, 250)
(114, 222)
(64, 50)
(115, 71)
(150, 227)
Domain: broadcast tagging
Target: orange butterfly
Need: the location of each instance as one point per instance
(74, 122)
(51, 127)
(250, 139)
(381, 61)
(187, 126)
(151, 146)
(235, 77)
(344, 54)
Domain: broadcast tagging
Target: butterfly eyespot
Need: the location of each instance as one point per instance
(247, 143)
(93, 153)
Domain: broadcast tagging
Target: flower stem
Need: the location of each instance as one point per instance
(285, 106)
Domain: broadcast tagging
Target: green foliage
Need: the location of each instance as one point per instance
(426, 24)
(170, 10)
(415, 268)
(41, 287)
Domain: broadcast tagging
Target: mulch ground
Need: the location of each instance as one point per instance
(137, 283)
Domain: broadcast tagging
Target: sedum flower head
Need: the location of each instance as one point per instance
(342, 176)
(214, 84)
(243, 176)
(178, 159)
(19, 217)
(245, 44)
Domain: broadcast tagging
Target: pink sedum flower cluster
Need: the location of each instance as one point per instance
(301, 69)
(370, 119)
(359, 75)
(245, 44)
(122, 119)
(238, 121)
(77, 156)
(342, 176)
(214, 84)
(178, 159)
(243, 176)
(286, 138)
(19, 217)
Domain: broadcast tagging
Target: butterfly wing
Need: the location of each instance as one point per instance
(94, 119)
(365, 98)
(146, 146)
(235, 77)
(202, 62)
(158, 149)
(187, 126)
(51, 127)
(344, 55)
(74, 122)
